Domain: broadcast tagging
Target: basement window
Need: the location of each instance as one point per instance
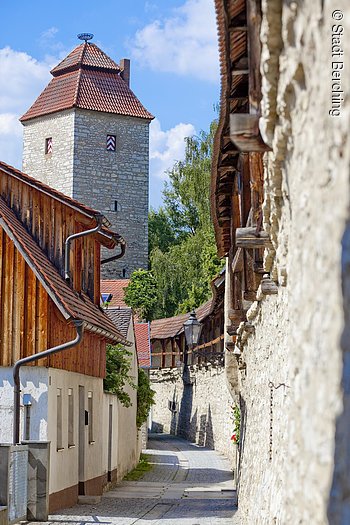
(111, 142)
(48, 146)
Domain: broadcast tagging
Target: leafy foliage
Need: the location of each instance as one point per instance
(141, 294)
(145, 398)
(236, 416)
(183, 256)
(160, 231)
(118, 367)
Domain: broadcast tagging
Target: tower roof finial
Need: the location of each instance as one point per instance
(85, 36)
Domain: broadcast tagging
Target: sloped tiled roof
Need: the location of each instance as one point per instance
(86, 55)
(115, 287)
(88, 79)
(72, 305)
(143, 345)
(121, 317)
(172, 326)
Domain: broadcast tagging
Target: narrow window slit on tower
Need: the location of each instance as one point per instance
(48, 145)
(111, 143)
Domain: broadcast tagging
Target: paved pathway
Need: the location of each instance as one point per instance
(188, 485)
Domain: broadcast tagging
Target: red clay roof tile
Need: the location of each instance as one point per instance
(87, 79)
(142, 334)
(85, 55)
(115, 287)
(172, 326)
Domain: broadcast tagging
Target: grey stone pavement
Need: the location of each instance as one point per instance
(188, 485)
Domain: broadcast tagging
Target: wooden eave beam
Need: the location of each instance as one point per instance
(248, 238)
(245, 133)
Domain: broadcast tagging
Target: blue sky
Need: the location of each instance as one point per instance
(174, 65)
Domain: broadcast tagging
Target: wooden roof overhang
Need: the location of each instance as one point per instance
(86, 215)
(236, 183)
(72, 306)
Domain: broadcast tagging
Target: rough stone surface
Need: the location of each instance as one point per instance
(295, 387)
(197, 406)
(80, 166)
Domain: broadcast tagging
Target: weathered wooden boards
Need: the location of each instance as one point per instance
(245, 133)
(250, 238)
(50, 222)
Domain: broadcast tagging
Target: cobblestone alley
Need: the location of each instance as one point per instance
(188, 485)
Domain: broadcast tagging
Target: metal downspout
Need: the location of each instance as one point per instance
(74, 236)
(79, 325)
(115, 257)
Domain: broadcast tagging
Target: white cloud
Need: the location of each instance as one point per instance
(22, 79)
(49, 33)
(167, 147)
(185, 43)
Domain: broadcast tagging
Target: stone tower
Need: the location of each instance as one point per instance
(87, 135)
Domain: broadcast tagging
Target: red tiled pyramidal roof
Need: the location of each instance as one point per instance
(85, 55)
(88, 79)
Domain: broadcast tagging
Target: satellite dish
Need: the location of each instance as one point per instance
(85, 36)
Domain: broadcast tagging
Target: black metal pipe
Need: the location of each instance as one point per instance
(115, 257)
(74, 236)
(79, 325)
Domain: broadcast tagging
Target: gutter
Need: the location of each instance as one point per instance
(115, 257)
(74, 236)
(79, 325)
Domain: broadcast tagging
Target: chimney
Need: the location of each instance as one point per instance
(125, 70)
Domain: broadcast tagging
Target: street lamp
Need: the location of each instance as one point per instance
(192, 329)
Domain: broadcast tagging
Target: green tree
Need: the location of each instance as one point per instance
(186, 195)
(141, 294)
(145, 398)
(160, 231)
(184, 267)
(118, 368)
(184, 273)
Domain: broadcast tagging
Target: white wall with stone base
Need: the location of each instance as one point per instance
(100, 467)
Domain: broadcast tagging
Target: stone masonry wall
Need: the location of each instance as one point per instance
(102, 177)
(80, 166)
(197, 406)
(295, 458)
(56, 168)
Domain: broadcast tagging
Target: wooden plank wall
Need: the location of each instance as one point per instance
(23, 306)
(50, 222)
(30, 322)
(89, 357)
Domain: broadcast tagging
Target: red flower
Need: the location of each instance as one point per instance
(234, 438)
